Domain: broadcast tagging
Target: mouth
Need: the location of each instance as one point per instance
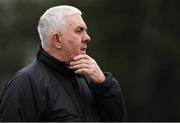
(83, 50)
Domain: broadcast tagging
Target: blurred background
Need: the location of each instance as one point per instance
(137, 40)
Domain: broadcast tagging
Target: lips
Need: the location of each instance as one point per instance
(83, 50)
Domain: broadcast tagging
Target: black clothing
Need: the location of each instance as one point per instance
(46, 90)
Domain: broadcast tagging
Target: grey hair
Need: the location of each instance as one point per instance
(53, 20)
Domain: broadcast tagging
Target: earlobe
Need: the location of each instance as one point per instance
(56, 40)
(58, 45)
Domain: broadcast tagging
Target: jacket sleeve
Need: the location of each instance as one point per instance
(19, 100)
(109, 100)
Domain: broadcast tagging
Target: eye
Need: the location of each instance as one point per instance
(79, 30)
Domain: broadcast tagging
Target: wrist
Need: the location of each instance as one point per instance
(101, 78)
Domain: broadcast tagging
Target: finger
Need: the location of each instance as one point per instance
(82, 56)
(80, 66)
(82, 71)
(82, 61)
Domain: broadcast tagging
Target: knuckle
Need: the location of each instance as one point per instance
(92, 60)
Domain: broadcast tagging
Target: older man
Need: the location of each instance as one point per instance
(63, 83)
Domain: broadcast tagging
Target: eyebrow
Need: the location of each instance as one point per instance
(82, 27)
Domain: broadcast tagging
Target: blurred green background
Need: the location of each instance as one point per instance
(137, 40)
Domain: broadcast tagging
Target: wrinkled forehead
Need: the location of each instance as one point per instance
(74, 21)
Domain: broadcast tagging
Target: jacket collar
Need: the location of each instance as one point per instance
(52, 62)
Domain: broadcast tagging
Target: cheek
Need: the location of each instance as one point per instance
(72, 45)
(76, 46)
(75, 43)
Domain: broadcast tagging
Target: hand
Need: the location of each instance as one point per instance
(84, 64)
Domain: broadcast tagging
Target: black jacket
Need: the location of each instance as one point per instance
(46, 90)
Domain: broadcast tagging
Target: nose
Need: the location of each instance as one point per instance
(86, 38)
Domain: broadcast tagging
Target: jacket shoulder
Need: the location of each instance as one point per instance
(25, 92)
(34, 69)
(31, 75)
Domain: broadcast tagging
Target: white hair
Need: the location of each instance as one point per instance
(53, 20)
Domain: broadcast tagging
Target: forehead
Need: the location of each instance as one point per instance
(75, 21)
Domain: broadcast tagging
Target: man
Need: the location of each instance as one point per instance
(63, 83)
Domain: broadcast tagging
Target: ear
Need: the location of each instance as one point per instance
(56, 40)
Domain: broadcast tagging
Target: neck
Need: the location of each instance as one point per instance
(54, 52)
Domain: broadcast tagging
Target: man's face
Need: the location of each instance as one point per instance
(74, 39)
